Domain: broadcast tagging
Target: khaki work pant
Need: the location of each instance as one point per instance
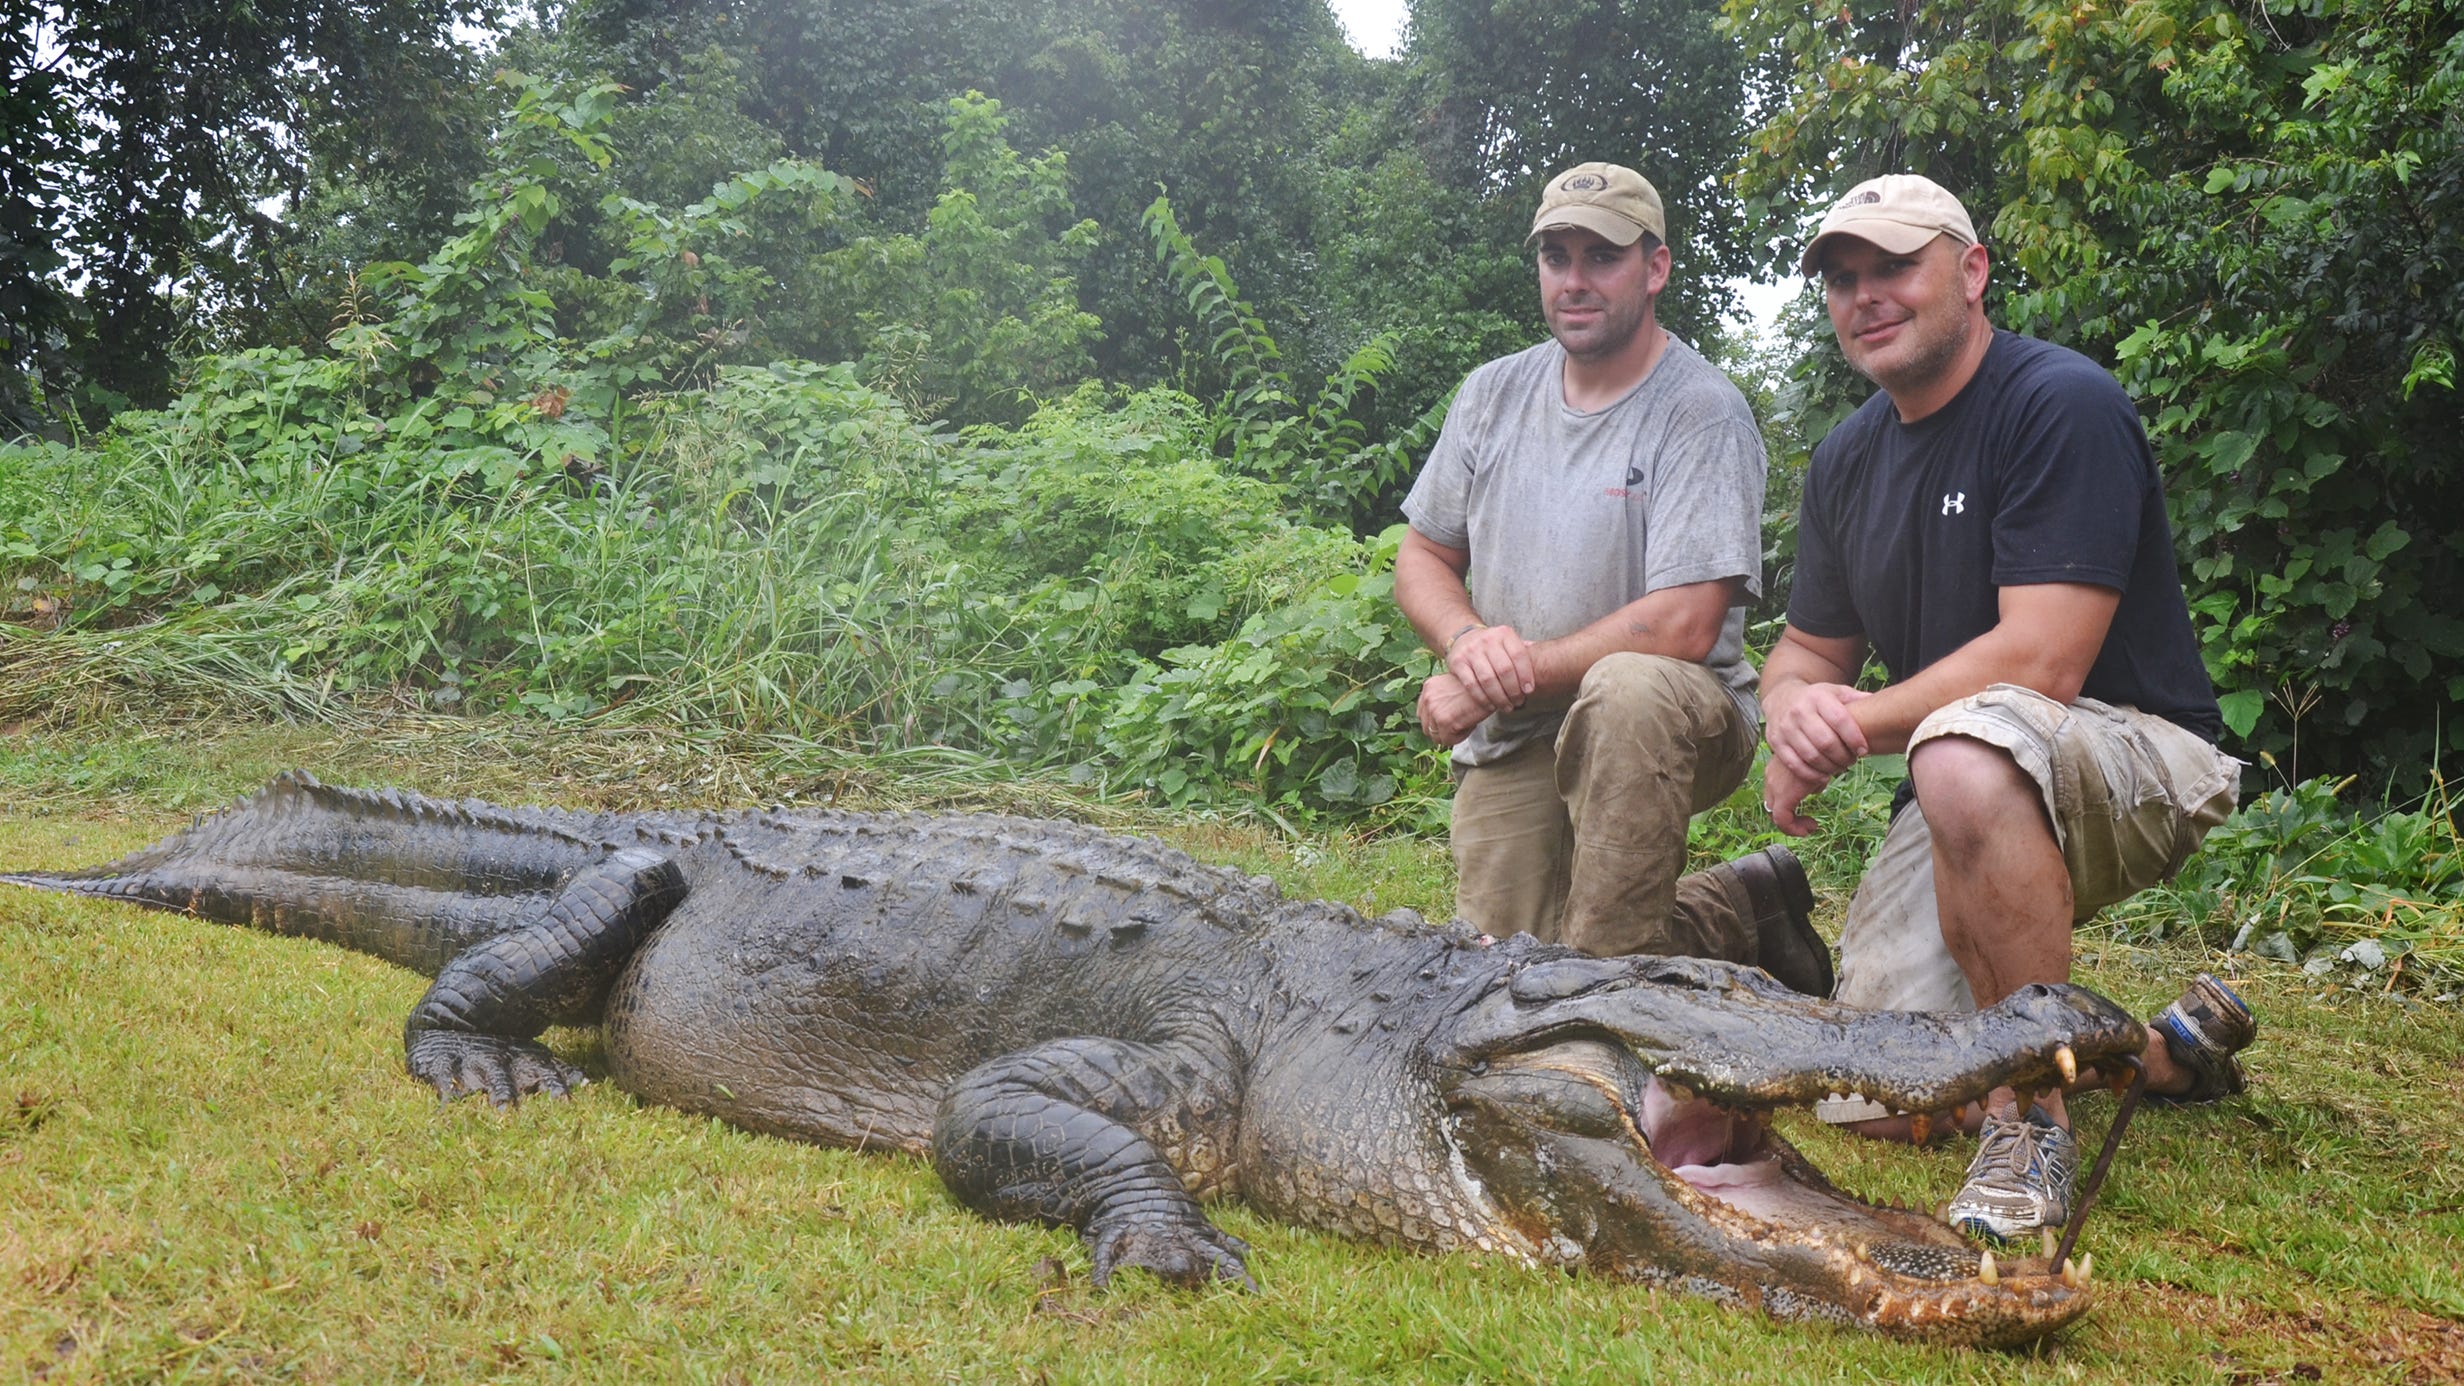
(1582, 842)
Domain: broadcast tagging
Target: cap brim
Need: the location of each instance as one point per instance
(1894, 237)
(1613, 228)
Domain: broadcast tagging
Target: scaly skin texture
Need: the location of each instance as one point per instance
(1102, 1033)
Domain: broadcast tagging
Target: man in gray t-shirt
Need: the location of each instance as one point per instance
(1583, 541)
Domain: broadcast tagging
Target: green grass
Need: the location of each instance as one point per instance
(212, 1167)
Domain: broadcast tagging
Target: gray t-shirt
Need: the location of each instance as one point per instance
(1570, 515)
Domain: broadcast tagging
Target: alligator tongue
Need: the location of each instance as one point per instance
(1723, 1155)
(1692, 1133)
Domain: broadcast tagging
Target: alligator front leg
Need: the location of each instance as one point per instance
(1073, 1133)
(475, 1029)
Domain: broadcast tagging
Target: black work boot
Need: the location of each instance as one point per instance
(1783, 916)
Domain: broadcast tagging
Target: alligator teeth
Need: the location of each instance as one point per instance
(2048, 1232)
(1920, 1128)
(1986, 1270)
(2087, 1267)
(2075, 1273)
(2068, 1063)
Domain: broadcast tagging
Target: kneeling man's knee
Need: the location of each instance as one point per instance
(1641, 680)
(1967, 784)
(1655, 705)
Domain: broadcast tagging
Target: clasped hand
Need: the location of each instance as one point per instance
(1488, 670)
(1813, 736)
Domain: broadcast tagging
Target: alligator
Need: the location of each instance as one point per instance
(1096, 1031)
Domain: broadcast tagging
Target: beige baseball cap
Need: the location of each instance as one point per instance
(1900, 212)
(1611, 199)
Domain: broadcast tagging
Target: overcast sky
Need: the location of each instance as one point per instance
(1376, 26)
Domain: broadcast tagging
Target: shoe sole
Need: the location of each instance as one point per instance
(2218, 1026)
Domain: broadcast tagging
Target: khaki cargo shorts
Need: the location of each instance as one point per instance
(2130, 796)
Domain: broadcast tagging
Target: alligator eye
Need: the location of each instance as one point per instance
(1582, 1087)
(1560, 978)
(1555, 1101)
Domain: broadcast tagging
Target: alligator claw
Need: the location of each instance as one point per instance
(506, 1070)
(1186, 1254)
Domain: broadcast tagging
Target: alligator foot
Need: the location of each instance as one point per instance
(455, 1063)
(1185, 1254)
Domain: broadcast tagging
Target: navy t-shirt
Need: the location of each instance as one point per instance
(2038, 471)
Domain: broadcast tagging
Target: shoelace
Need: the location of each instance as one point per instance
(2010, 1144)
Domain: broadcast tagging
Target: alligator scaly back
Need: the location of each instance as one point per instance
(408, 878)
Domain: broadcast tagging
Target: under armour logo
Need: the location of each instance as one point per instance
(1955, 504)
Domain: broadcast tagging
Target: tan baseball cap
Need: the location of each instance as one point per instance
(1900, 212)
(1611, 199)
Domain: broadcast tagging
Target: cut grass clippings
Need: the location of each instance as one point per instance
(212, 1166)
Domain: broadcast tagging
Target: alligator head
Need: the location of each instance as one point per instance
(1614, 1114)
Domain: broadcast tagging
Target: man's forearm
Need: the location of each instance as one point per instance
(1679, 622)
(1887, 718)
(2000, 655)
(1432, 595)
(2046, 641)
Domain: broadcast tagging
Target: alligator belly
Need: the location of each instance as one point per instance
(772, 1029)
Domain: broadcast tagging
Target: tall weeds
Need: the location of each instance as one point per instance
(784, 555)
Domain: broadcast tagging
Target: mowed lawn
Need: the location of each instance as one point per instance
(212, 1167)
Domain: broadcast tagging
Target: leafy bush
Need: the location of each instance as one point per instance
(1310, 708)
(978, 316)
(2301, 876)
(786, 553)
(1317, 452)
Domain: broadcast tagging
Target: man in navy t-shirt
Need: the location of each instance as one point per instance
(1991, 525)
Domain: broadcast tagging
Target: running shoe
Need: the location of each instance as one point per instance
(2020, 1179)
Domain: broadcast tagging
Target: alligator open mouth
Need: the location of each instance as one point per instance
(1655, 1162)
(1733, 1158)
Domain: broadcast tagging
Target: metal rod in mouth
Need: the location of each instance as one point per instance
(2104, 1160)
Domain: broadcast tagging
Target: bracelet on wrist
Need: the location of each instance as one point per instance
(1460, 634)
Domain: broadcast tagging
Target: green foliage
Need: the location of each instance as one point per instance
(2300, 876)
(1119, 502)
(1222, 103)
(168, 227)
(1318, 452)
(485, 495)
(38, 132)
(1310, 708)
(1435, 270)
(2243, 211)
(978, 316)
(786, 554)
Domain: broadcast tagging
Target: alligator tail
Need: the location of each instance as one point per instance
(407, 878)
